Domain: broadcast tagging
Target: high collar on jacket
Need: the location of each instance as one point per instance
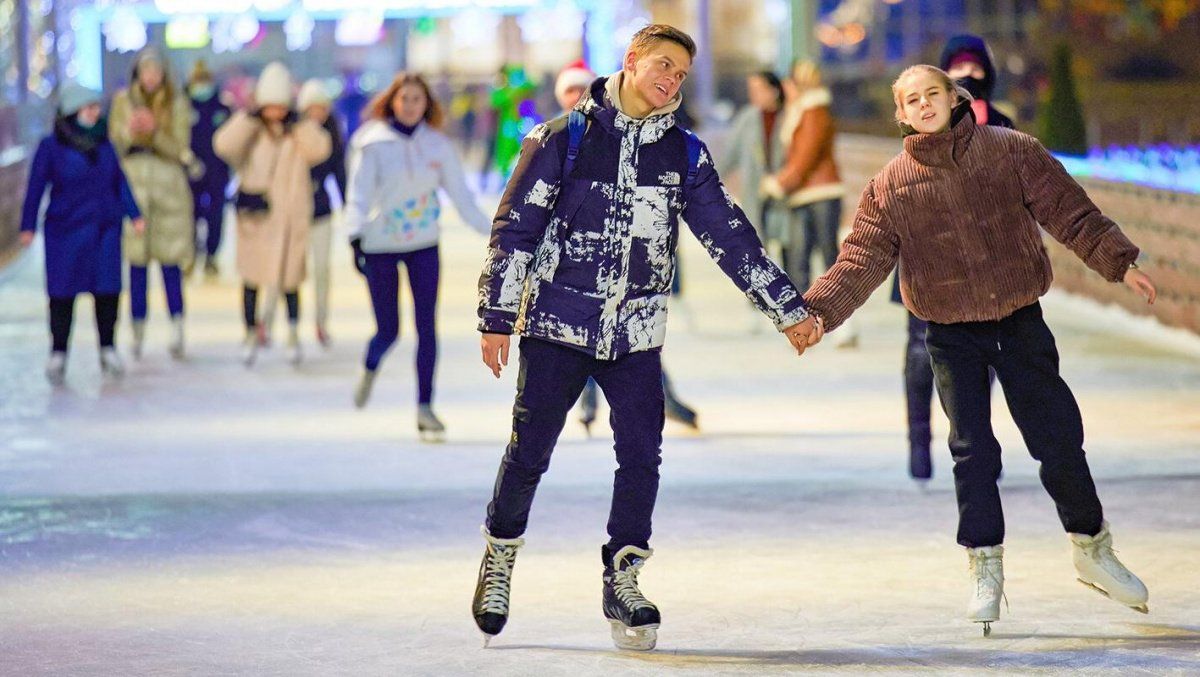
(944, 149)
(378, 131)
(603, 105)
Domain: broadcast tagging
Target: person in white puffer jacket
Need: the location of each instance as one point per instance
(397, 162)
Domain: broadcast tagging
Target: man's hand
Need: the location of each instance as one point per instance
(1142, 284)
(26, 238)
(804, 334)
(495, 351)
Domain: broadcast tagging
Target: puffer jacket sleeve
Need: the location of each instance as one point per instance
(313, 144)
(176, 143)
(731, 241)
(232, 141)
(521, 220)
(361, 189)
(1064, 209)
(39, 180)
(121, 189)
(868, 254)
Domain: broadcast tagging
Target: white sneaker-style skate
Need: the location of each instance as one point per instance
(295, 354)
(139, 338)
(56, 368)
(110, 363)
(987, 585)
(250, 347)
(490, 604)
(362, 394)
(429, 426)
(1100, 570)
(176, 345)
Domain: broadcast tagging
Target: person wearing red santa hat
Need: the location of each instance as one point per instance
(572, 82)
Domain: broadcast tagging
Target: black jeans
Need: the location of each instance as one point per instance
(918, 393)
(549, 381)
(62, 316)
(1021, 349)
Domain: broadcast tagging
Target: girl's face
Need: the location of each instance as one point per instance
(409, 104)
(762, 95)
(925, 102)
(274, 112)
(150, 76)
(89, 115)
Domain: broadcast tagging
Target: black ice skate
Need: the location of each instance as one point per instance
(490, 606)
(674, 409)
(587, 408)
(634, 618)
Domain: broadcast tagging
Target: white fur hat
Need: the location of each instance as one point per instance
(574, 75)
(312, 93)
(274, 86)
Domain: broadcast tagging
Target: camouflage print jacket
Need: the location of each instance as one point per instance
(587, 259)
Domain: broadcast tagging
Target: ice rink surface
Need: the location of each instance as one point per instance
(199, 518)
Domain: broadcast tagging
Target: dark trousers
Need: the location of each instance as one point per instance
(209, 206)
(62, 317)
(1021, 349)
(172, 284)
(250, 306)
(814, 227)
(918, 392)
(549, 380)
(383, 281)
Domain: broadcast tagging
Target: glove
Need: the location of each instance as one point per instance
(360, 259)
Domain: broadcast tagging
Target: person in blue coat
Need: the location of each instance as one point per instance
(208, 191)
(89, 198)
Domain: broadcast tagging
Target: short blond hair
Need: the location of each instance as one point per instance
(941, 75)
(805, 74)
(653, 34)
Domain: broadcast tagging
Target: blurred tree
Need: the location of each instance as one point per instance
(1060, 123)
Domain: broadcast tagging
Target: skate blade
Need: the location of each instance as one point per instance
(987, 628)
(641, 638)
(1141, 608)
(432, 436)
(487, 640)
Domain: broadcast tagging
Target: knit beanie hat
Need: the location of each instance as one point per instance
(73, 96)
(576, 74)
(274, 86)
(313, 93)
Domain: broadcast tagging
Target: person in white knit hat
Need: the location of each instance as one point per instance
(315, 104)
(273, 153)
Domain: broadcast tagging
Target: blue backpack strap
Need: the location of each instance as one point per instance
(576, 126)
(693, 152)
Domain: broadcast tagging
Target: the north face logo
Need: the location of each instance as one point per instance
(669, 179)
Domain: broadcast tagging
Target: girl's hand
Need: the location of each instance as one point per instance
(1142, 284)
(139, 225)
(26, 238)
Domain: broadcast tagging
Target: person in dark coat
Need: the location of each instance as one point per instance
(968, 60)
(208, 191)
(89, 197)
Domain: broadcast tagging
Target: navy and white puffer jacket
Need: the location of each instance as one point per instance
(587, 259)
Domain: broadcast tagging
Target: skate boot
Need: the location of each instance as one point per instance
(211, 271)
(920, 465)
(429, 427)
(363, 392)
(1099, 569)
(323, 337)
(634, 618)
(490, 606)
(250, 347)
(56, 368)
(675, 410)
(987, 585)
(110, 363)
(176, 345)
(587, 407)
(139, 338)
(295, 354)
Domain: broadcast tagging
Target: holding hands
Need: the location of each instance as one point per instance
(806, 334)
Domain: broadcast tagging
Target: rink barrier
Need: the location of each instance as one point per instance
(1164, 224)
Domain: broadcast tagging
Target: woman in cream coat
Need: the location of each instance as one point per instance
(272, 152)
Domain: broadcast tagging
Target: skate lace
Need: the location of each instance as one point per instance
(626, 589)
(986, 579)
(1103, 554)
(497, 573)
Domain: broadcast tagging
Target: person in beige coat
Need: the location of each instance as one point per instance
(273, 153)
(150, 126)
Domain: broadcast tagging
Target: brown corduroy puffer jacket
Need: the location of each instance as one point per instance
(960, 209)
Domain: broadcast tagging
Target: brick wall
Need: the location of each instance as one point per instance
(1165, 225)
